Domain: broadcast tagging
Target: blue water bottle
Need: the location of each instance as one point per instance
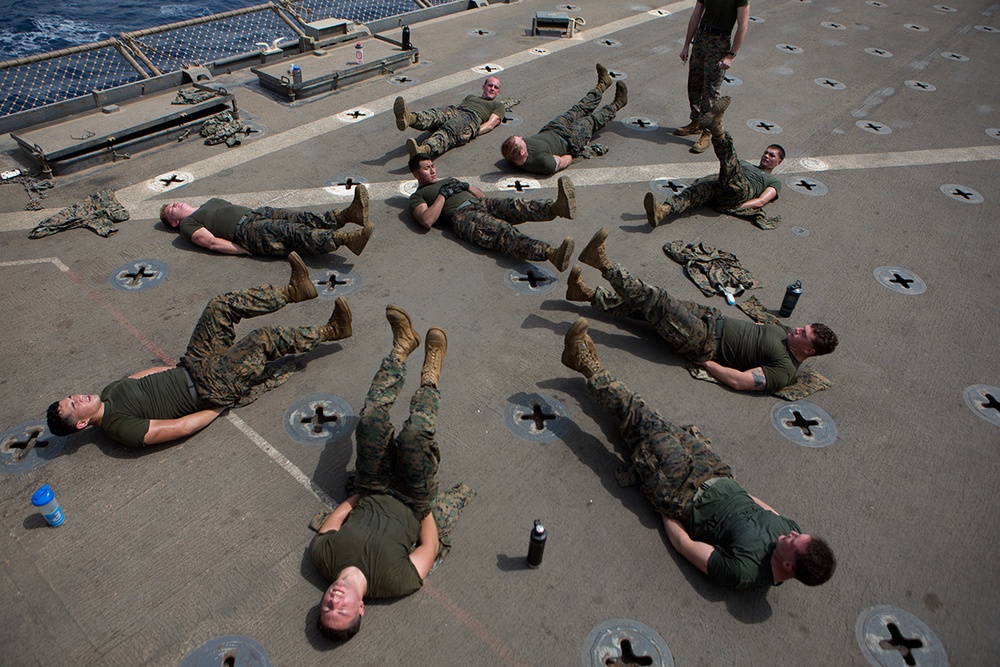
(296, 74)
(45, 500)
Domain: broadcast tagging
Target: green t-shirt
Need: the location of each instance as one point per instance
(428, 193)
(542, 150)
(377, 538)
(743, 533)
(721, 14)
(760, 179)
(217, 216)
(130, 403)
(745, 345)
(483, 108)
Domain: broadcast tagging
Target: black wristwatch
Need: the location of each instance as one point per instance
(731, 53)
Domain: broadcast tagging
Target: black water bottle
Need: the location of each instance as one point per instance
(406, 38)
(792, 294)
(536, 548)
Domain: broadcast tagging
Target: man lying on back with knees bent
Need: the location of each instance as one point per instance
(553, 148)
(166, 403)
(742, 355)
(383, 541)
(487, 222)
(452, 126)
(738, 540)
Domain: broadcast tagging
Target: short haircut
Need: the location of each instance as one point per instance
(59, 424)
(824, 341)
(338, 635)
(163, 214)
(780, 149)
(415, 161)
(816, 564)
(507, 147)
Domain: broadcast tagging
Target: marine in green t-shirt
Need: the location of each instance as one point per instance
(738, 540)
(453, 125)
(166, 403)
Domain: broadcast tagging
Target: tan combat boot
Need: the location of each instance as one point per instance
(355, 240)
(339, 325)
(704, 141)
(413, 148)
(357, 212)
(579, 352)
(404, 338)
(434, 349)
(594, 254)
(299, 287)
(711, 121)
(655, 212)
(603, 79)
(621, 96)
(687, 130)
(561, 256)
(576, 289)
(565, 206)
(404, 118)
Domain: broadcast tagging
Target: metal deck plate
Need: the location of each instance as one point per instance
(28, 446)
(625, 642)
(319, 419)
(228, 651)
(531, 279)
(900, 280)
(893, 637)
(804, 423)
(138, 275)
(984, 400)
(536, 417)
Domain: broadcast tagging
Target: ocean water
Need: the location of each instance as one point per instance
(39, 26)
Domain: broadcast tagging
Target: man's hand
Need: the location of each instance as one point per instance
(452, 188)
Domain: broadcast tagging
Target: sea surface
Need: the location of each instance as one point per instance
(39, 26)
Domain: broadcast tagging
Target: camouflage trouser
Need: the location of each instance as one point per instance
(488, 223)
(278, 231)
(452, 127)
(689, 327)
(671, 462)
(406, 466)
(726, 191)
(224, 370)
(704, 76)
(578, 125)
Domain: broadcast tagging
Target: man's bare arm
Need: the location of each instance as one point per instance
(428, 215)
(207, 239)
(476, 192)
(764, 505)
(765, 197)
(697, 553)
(563, 161)
(751, 380)
(490, 123)
(693, 24)
(339, 514)
(742, 21)
(151, 371)
(167, 430)
(423, 556)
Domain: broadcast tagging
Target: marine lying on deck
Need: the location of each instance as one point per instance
(738, 540)
(237, 230)
(742, 355)
(165, 403)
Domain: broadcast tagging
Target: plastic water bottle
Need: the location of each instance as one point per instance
(792, 294)
(45, 500)
(359, 53)
(406, 38)
(536, 547)
(296, 73)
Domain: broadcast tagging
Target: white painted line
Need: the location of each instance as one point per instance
(280, 459)
(41, 260)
